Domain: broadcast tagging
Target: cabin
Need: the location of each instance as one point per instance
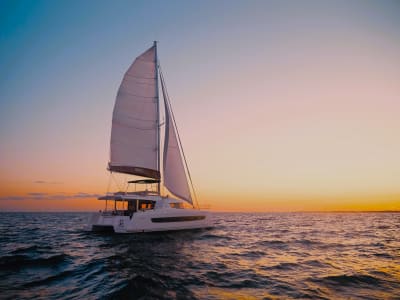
(126, 203)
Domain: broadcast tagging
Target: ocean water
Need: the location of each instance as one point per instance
(246, 256)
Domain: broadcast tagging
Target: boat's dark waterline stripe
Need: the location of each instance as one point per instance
(103, 228)
(177, 219)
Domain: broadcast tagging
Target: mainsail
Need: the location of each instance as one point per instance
(134, 133)
(175, 179)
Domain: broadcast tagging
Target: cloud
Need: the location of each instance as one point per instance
(14, 198)
(37, 194)
(86, 195)
(46, 196)
(47, 182)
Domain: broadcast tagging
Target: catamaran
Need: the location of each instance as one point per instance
(162, 199)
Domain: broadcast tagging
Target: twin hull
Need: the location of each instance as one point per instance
(164, 219)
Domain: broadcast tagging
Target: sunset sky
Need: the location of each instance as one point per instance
(281, 105)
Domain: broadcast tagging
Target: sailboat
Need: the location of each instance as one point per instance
(163, 199)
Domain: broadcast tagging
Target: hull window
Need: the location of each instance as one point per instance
(177, 219)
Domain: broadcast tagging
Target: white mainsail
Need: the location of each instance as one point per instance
(134, 133)
(175, 179)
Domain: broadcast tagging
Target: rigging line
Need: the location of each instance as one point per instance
(143, 60)
(179, 138)
(143, 83)
(132, 118)
(139, 96)
(122, 143)
(108, 189)
(109, 183)
(126, 183)
(116, 182)
(134, 127)
(140, 77)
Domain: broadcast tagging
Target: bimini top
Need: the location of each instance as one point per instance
(145, 181)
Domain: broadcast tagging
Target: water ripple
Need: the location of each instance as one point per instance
(248, 256)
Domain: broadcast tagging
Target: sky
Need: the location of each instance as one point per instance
(281, 105)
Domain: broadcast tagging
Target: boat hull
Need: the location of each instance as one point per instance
(151, 221)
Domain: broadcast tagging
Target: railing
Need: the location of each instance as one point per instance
(110, 213)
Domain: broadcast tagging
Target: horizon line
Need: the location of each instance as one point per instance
(222, 211)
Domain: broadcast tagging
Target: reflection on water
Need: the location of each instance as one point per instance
(246, 256)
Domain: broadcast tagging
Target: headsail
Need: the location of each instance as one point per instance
(134, 144)
(175, 179)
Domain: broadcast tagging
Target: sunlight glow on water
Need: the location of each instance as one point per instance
(246, 256)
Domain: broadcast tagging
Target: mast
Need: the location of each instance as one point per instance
(158, 114)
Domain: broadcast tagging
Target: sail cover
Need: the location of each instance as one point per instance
(174, 172)
(134, 139)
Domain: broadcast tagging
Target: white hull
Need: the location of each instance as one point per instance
(161, 218)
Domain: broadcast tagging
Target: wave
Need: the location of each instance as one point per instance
(32, 249)
(350, 280)
(317, 264)
(19, 261)
(210, 236)
(279, 244)
(49, 279)
(237, 280)
(384, 255)
(253, 254)
(256, 256)
(146, 287)
(284, 266)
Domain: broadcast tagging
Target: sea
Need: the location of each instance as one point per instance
(245, 256)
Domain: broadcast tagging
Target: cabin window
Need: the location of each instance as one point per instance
(144, 204)
(176, 205)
